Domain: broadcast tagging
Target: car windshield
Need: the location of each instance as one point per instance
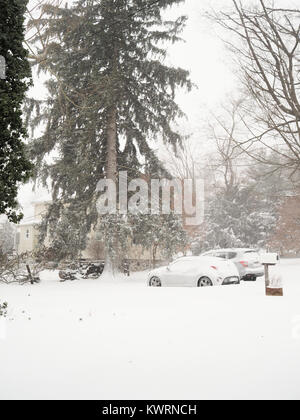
(209, 254)
(177, 265)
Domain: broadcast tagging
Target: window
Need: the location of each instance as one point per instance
(221, 255)
(27, 235)
(209, 254)
(232, 255)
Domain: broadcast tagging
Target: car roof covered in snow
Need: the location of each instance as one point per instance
(233, 250)
(198, 258)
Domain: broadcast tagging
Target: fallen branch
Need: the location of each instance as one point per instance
(20, 269)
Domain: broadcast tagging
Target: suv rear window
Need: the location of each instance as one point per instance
(232, 255)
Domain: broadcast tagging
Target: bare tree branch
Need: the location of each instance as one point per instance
(267, 45)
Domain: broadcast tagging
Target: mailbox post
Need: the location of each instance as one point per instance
(275, 289)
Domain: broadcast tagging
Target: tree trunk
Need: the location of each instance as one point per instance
(154, 251)
(111, 160)
(112, 258)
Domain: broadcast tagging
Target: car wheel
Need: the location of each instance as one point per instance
(155, 282)
(205, 282)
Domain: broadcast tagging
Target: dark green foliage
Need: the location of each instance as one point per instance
(14, 165)
(104, 54)
(3, 309)
(67, 231)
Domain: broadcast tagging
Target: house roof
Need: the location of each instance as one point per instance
(30, 223)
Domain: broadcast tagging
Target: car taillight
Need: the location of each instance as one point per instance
(244, 264)
(214, 267)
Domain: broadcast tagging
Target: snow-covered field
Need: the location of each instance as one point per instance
(95, 340)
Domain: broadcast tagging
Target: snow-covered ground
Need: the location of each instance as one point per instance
(95, 340)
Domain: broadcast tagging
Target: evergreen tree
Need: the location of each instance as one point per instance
(160, 232)
(67, 232)
(14, 82)
(246, 214)
(243, 219)
(111, 96)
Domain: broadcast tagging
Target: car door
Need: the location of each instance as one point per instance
(180, 273)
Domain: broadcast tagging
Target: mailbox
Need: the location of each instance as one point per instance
(271, 259)
(273, 280)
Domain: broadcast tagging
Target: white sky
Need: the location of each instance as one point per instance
(205, 56)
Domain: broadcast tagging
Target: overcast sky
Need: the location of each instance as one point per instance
(204, 54)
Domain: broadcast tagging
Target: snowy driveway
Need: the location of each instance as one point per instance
(89, 340)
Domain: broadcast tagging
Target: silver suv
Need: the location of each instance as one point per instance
(246, 260)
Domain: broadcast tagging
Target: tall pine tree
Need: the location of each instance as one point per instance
(14, 82)
(110, 97)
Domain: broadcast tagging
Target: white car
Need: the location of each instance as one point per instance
(195, 272)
